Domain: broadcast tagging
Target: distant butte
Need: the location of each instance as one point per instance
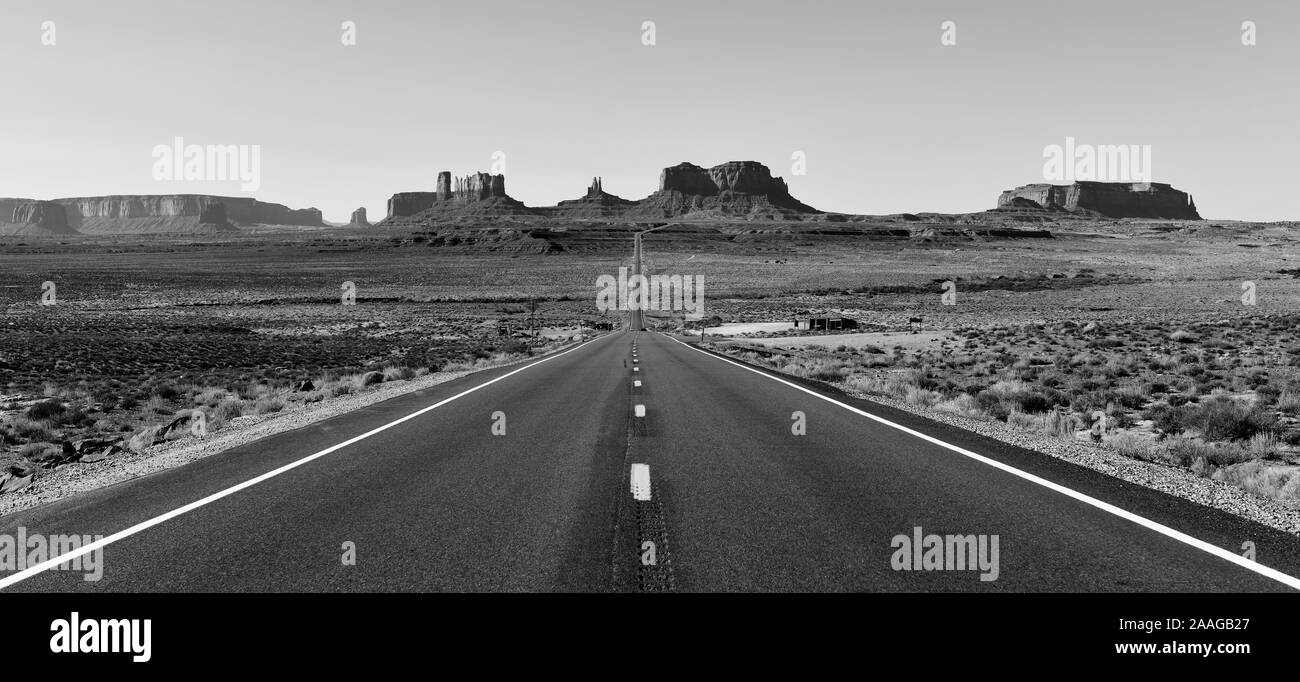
(147, 214)
(1109, 199)
(736, 189)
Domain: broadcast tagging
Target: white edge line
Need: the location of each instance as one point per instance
(145, 525)
(1284, 578)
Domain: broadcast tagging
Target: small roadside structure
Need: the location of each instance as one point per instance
(824, 322)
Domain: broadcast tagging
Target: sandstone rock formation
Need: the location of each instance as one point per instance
(596, 203)
(736, 189)
(359, 218)
(33, 218)
(1110, 199)
(478, 193)
(732, 189)
(43, 214)
(213, 213)
(158, 213)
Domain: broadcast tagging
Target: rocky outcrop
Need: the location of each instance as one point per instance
(359, 218)
(476, 194)
(687, 178)
(46, 215)
(596, 203)
(1109, 199)
(213, 213)
(405, 204)
(158, 213)
(733, 189)
(29, 217)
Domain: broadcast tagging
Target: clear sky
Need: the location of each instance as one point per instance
(890, 119)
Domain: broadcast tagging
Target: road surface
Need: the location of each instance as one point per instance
(737, 500)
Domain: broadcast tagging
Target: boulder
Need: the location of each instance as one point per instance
(100, 454)
(158, 435)
(16, 483)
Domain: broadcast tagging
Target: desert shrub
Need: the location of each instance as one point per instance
(31, 430)
(40, 452)
(513, 346)
(962, 404)
(1288, 402)
(1022, 397)
(1132, 445)
(992, 404)
(268, 404)
(1278, 482)
(166, 392)
(1167, 419)
(228, 409)
(157, 405)
(1263, 445)
(1059, 423)
(1185, 451)
(1128, 397)
(922, 397)
(822, 369)
(398, 373)
(1225, 419)
(1091, 400)
(210, 397)
(369, 379)
(46, 410)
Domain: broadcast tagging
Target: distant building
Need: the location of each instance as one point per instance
(825, 322)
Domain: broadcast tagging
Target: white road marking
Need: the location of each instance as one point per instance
(636, 369)
(1274, 574)
(639, 411)
(641, 482)
(145, 525)
(637, 383)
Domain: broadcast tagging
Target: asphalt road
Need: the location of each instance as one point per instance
(738, 501)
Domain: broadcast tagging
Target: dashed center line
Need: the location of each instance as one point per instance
(641, 482)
